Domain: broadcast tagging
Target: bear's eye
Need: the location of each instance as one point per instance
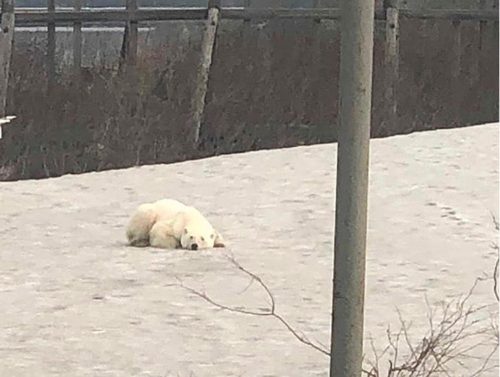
(202, 239)
(191, 237)
(212, 236)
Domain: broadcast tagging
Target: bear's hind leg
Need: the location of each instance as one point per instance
(161, 237)
(139, 242)
(139, 226)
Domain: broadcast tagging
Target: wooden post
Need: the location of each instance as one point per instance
(247, 4)
(207, 50)
(317, 4)
(313, 103)
(124, 48)
(131, 55)
(456, 69)
(128, 53)
(481, 55)
(51, 44)
(457, 48)
(6, 38)
(246, 29)
(77, 41)
(488, 46)
(391, 62)
(473, 75)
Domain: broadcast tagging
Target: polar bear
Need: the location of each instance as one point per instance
(170, 224)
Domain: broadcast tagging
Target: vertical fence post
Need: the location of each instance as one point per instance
(356, 66)
(456, 70)
(483, 27)
(131, 55)
(457, 49)
(247, 4)
(317, 4)
(51, 44)
(6, 38)
(77, 41)
(391, 63)
(474, 73)
(207, 50)
(128, 53)
(313, 103)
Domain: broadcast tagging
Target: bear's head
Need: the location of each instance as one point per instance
(196, 240)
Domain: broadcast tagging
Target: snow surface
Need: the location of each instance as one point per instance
(76, 301)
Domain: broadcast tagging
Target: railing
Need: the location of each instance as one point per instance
(131, 16)
(67, 16)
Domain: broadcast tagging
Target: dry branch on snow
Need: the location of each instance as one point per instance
(457, 331)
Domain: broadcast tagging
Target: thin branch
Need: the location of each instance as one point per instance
(269, 312)
(302, 338)
(256, 278)
(495, 274)
(495, 270)
(453, 336)
(495, 221)
(450, 337)
(483, 367)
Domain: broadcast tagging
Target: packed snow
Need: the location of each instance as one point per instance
(77, 301)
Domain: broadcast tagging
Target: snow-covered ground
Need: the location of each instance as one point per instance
(76, 301)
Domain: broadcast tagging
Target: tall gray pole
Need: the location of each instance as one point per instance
(352, 187)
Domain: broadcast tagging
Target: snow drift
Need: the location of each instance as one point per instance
(77, 301)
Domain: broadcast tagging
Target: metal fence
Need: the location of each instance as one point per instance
(131, 15)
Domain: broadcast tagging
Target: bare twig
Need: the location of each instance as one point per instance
(269, 312)
(454, 333)
(495, 278)
(495, 221)
(495, 270)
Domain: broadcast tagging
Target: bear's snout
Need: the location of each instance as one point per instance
(194, 246)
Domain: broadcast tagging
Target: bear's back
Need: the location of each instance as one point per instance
(167, 209)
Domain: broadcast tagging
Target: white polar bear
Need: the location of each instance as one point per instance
(170, 224)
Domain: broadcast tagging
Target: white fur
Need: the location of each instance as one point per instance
(170, 224)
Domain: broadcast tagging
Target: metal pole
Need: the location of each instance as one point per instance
(356, 62)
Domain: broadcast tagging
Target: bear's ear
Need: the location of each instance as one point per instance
(219, 241)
